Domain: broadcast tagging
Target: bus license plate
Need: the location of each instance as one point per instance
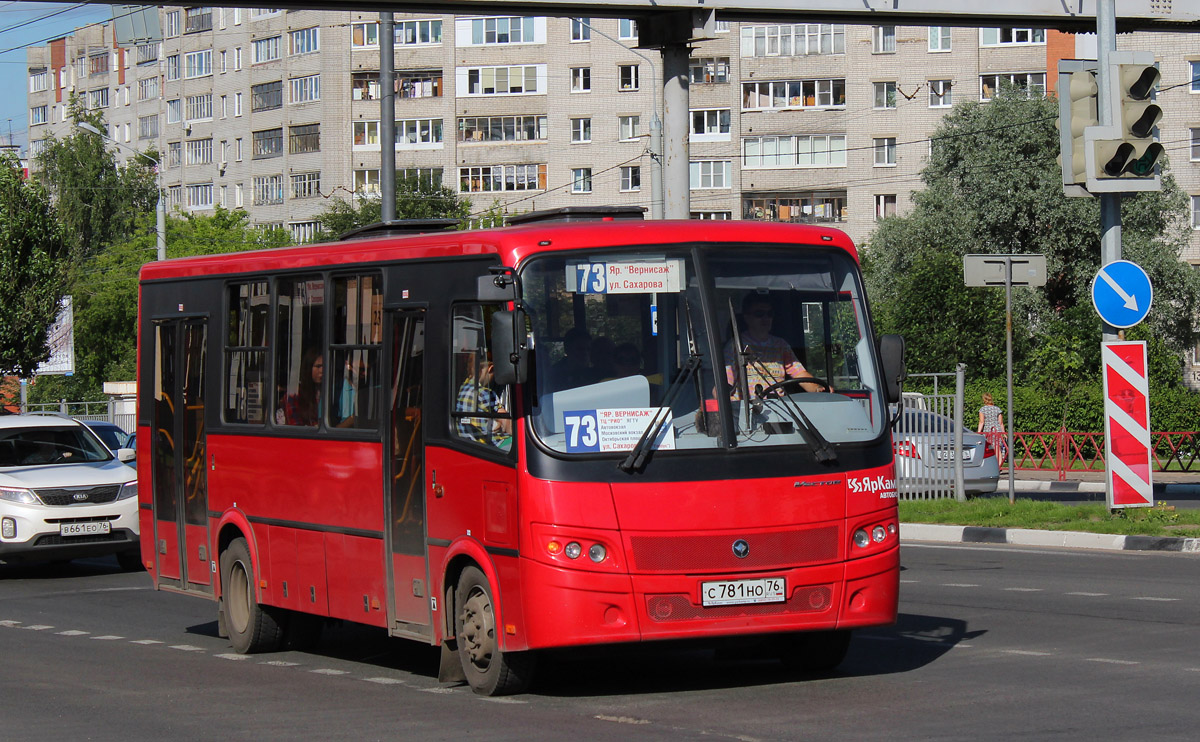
(84, 529)
(735, 592)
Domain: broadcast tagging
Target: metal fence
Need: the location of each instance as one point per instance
(928, 439)
(105, 409)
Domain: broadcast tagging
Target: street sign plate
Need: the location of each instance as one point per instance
(1127, 425)
(1121, 293)
(989, 270)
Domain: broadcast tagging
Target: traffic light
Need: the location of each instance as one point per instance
(1077, 110)
(1135, 153)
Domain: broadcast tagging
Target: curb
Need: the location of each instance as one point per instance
(1029, 537)
(1041, 485)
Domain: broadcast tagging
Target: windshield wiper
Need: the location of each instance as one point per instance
(637, 457)
(821, 447)
(740, 358)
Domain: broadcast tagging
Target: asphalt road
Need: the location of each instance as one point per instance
(992, 643)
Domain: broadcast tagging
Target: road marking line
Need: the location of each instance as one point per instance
(232, 656)
(328, 671)
(436, 690)
(187, 648)
(73, 632)
(1111, 662)
(37, 627)
(385, 681)
(1089, 595)
(10, 624)
(909, 582)
(145, 641)
(1023, 589)
(958, 584)
(506, 700)
(280, 663)
(1159, 600)
(1027, 652)
(107, 638)
(622, 719)
(961, 646)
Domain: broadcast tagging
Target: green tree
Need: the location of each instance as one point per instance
(31, 275)
(415, 199)
(992, 185)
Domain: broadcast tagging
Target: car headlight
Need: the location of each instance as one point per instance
(18, 494)
(128, 490)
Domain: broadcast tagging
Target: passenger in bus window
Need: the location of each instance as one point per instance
(477, 395)
(769, 358)
(574, 369)
(352, 396)
(304, 407)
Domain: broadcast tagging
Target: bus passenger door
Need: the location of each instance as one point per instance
(179, 463)
(407, 567)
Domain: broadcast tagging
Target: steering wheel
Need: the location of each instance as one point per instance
(795, 381)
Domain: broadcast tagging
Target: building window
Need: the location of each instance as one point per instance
(581, 29)
(38, 115)
(631, 178)
(364, 86)
(708, 70)
(237, 58)
(305, 40)
(581, 131)
(265, 50)
(712, 215)
(418, 133)
(174, 154)
(516, 80)
(627, 30)
(148, 127)
(627, 77)
(200, 196)
(939, 38)
(417, 33)
(148, 89)
(237, 104)
(939, 94)
(783, 94)
(197, 20)
(629, 127)
(39, 81)
(1195, 212)
(497, 30)
(810, 150)
(268, 189)
(710, 125)
(366, 134)
(1011, 36)
(172, 29)
(174, 111)
(304, 89)
(199, 107)
(793, 40)
(199, 152)
(1033, 83)
(97, 98)
(492, 178)
(710, 174)
(581, 79)
(1195, 145)
(804, 207)
(581, 180)
(197, 64)
(885, 205)
(885, 94)
(883, 39)
(172, 67)
(304, 231)
(1195, 67)
(885, 151)
(147, 53)
(364, 34)
(304, 138)
(266, 97)
(267, 143)
(501, 128)
(306, 185)
(429, 177)
(366, 182)
(418, 84)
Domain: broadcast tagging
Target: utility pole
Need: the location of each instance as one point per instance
(387, 117)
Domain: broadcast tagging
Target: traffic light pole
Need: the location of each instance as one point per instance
(1110, 203)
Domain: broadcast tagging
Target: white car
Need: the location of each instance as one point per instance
(63, 494)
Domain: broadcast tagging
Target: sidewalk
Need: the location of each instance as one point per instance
(1181, 489)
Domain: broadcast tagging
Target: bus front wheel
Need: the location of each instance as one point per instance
(490, 671)
(252, 628)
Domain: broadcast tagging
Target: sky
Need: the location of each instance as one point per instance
(32, 24)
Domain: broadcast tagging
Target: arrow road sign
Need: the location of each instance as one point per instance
(1122, 293)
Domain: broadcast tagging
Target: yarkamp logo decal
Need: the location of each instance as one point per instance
(884, 486)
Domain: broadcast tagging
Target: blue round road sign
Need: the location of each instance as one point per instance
(1121, 293)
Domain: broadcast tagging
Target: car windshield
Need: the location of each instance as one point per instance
(622, 338)
(112, 436)
(68, 444)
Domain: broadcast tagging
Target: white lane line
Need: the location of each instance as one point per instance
(1089, 595)
(436, 690)
(73, 632)
(1023, 589)
(502, 700)
(10, 624)
(621, 719)
(187, 648)
(1111, 661)
(232, 656)
(961, 646)
(280, 663)
(958, 584)
(1158, 600)
(107, 638)
(145, 641)
(328, 671)
(37, 627)
(385, 681)
(1027, 653)
(909, 582)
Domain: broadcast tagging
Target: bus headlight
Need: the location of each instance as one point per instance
(597, 553)
(573, 550)
(878, 534)
(861, 539)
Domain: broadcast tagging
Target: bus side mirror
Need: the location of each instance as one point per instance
(496, 287)
(891, 354)
(510, 357)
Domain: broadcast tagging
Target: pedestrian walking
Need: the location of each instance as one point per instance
(991, 424)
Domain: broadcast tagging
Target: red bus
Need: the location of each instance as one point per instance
(552, 434)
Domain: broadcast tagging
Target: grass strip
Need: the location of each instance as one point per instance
(996, 512)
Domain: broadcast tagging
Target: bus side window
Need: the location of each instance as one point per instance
(481, 409)
(299, 350)
(354, 388)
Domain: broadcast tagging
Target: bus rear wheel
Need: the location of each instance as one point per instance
(252, 627)
(490, 671)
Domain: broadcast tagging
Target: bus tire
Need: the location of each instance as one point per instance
(490, 671)
(814, 651)
(252, 628)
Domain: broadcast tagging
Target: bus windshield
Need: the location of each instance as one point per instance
(625, 339)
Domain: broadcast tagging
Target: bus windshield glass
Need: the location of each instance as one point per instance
(625, 340)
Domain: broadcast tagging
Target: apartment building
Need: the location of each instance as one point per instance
(278, 111)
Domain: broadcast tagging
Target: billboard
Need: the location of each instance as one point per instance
(61, 338)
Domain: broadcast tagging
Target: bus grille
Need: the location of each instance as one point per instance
(715, 552)
(71, 495)
(681, 608)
